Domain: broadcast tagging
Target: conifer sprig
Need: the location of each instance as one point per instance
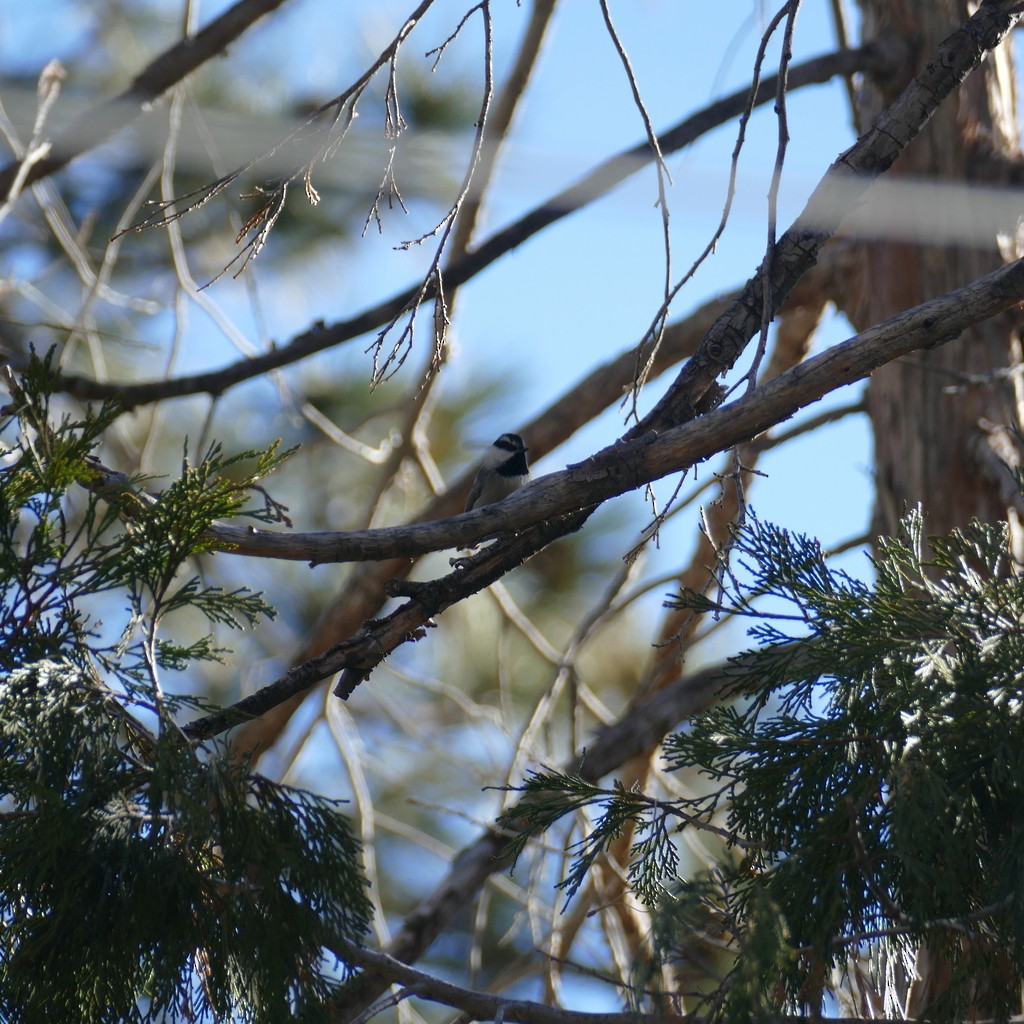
(866, 776)
(140, 876)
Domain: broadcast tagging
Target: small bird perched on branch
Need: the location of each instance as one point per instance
(504, 470)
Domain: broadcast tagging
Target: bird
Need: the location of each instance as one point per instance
(504, 470)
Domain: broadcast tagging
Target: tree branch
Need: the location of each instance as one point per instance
(639, 460)
(639, 729)
(363, 591)
(549, 500)
(483, 1006)
(358, 656)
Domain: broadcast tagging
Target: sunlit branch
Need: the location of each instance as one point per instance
(663, 177)
(634, 462)
(782, 115)
(315, 139)
(498, 126)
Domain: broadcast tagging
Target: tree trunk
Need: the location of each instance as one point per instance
(942, 420)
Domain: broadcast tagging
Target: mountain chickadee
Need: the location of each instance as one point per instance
(504, 470)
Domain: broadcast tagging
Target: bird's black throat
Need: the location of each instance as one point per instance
(515, 465)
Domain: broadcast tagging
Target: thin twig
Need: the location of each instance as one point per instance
(781, 111)
(432, 283)
(649, 344)
(657, 329)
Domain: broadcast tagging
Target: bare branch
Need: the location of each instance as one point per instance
(29, 156)
(484, 1006)
(767, 315)
(637, 731)
(356, 658)
(560, 503)
(638, 460)
(499, 124)
(841, 20)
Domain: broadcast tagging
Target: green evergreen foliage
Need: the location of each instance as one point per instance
(867, 775)
(140, 875)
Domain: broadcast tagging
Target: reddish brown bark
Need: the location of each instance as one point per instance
(942, 419)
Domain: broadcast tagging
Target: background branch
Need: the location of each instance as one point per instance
(172, 66)
(597, 183)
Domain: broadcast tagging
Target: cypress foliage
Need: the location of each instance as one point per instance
(867, 774)
(140, 875)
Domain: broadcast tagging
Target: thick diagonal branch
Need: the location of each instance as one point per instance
(358, 656)
(559, 503)
(639, 460)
